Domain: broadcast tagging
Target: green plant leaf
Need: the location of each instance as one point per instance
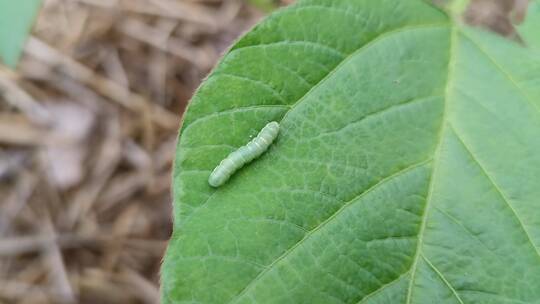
(407, 169)
(530, 29)
(16, 19)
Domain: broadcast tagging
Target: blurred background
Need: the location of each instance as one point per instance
(88, 127)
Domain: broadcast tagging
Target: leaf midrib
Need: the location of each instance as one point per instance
(448, 91)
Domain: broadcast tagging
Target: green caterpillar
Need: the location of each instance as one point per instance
(244, 155)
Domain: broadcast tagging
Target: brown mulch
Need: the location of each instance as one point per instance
(88, 126)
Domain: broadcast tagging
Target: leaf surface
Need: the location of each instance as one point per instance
(406, 170)
(16, 19)
(529, 30)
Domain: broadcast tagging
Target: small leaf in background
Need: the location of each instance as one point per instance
(16, 19)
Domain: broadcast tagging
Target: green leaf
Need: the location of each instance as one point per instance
(407, 169)
(16, 19)
(530, 29)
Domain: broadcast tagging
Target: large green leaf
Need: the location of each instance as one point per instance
(407, 169)
(16, 18)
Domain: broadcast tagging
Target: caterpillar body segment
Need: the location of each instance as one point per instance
(245, 154)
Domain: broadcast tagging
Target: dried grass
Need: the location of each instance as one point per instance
(88, 126)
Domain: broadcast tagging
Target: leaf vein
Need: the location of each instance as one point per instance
(358, 51)
(438, 149)
(378, 112)
(468, 232)
(324, 223)
(439, 273)
(313, 44)
(503, 71)
(258, 82)
(232, 111)
(382, 288)
(499, 191)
